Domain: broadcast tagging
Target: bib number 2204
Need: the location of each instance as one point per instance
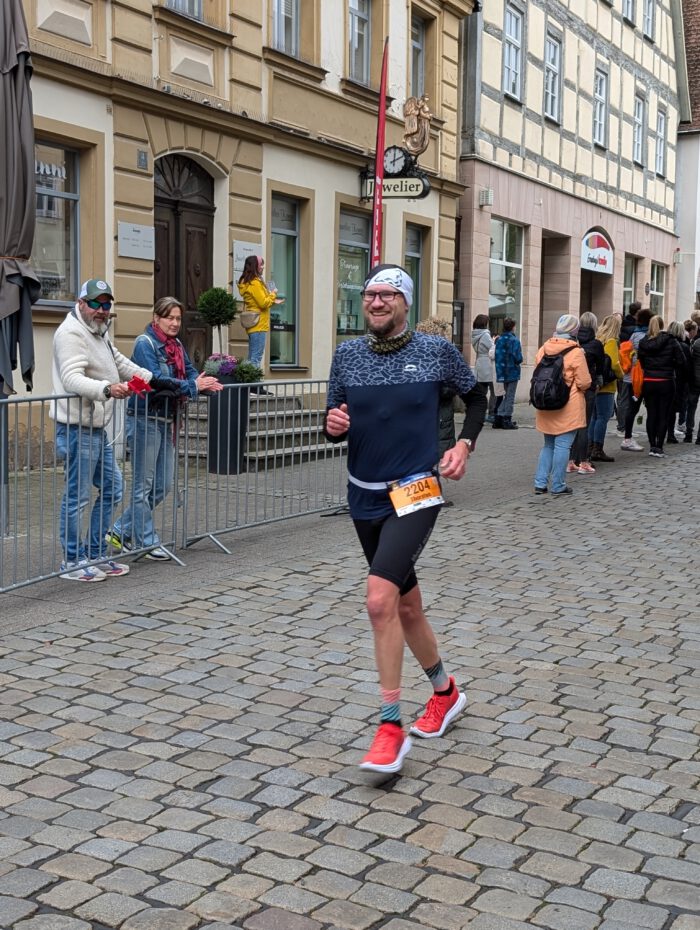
(415, 493)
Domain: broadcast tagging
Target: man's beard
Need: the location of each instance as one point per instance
(95, 326)
(381, 329)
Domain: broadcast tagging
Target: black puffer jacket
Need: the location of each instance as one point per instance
(661, 357)
(695, 365)
(595, 355)
(629, 324)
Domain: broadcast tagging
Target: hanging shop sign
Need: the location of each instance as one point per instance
(413, 188)
(597, 253)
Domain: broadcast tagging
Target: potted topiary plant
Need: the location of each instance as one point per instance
(228, 412)
(218, 308)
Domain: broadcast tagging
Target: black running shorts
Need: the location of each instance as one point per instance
(392, 545)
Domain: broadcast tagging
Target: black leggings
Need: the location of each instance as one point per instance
(392, 544)
(658, 397)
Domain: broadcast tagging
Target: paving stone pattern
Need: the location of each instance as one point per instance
(188, 762)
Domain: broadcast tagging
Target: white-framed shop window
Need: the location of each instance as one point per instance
(505, 273)
(657, 287)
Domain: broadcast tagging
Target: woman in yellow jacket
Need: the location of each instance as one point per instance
(560, 426)
(258, 299)
(609, 334)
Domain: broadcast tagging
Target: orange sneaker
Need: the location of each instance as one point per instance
(389, 746)
(440, 711)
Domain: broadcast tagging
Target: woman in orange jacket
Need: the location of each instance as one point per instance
(258, 298)
(560, 426)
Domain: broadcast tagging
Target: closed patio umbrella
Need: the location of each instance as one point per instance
(19, 285)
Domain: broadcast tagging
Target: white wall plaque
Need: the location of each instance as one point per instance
(241, 250)
(136, 241)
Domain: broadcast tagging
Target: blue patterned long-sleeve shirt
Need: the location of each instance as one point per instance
(393, 405)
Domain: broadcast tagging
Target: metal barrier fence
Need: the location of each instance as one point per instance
(251, 455)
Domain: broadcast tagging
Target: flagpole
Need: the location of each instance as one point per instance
(378, 198)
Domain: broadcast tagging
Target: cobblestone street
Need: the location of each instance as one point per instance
(186, 757)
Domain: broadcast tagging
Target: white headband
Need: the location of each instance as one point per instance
(397, 278)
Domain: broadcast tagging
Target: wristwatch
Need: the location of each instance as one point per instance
(469, 443)
(107, 391)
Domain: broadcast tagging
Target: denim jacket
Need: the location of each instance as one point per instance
(149, 352)
(509, 357)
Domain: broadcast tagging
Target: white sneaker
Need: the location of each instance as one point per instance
(158, 555)
(629, 445)
(113, 569)
(679, 430)
(620, 433)
(81, 571)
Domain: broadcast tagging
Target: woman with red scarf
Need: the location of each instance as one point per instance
(151, 426)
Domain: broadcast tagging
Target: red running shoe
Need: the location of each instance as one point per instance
(440, 711)
(388, 749)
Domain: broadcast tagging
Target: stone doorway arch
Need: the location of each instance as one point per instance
(184, 229)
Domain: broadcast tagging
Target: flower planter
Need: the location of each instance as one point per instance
(227, 428)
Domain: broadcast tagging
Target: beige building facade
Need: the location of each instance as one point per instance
(175, 137)
(568, 151)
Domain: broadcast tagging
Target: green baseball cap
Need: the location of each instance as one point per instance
(94, 288)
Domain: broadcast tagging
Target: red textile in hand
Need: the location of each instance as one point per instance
(139, 386)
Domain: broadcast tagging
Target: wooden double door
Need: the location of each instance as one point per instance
(184, 231)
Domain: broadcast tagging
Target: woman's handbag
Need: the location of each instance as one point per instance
(249, 318)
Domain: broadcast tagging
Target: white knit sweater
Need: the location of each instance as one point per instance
(84, 363)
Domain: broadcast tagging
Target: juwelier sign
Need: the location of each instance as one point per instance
(397, 188)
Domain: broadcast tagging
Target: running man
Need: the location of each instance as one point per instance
(383, 396)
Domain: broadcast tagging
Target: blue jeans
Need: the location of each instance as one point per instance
(256, 348)
(89, 462)
(150, 441)
(602, 411)
(553, 460)
(506, 408)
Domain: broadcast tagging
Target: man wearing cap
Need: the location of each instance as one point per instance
(560, 426)
(86, 364)
(383, 397)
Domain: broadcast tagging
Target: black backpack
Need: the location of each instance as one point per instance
(548, 389)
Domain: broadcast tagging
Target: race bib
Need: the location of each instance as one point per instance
(415, 493)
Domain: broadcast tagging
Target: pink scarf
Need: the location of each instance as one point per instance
(174, 352)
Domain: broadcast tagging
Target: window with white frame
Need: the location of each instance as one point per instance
(512, 51)
(191, 8)
(505, 273)
(418, 35)
(359, 28)
(285, 26)
(638, 131)
(656, 288)
(628, 10)
(629, 282)
(552, 77)
(661, 143)
(600, 107)
(649, 16)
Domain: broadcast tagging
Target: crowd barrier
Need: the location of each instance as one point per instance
(250, 455)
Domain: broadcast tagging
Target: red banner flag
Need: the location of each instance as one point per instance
(377, 201)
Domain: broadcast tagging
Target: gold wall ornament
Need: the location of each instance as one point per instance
(417, 116)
